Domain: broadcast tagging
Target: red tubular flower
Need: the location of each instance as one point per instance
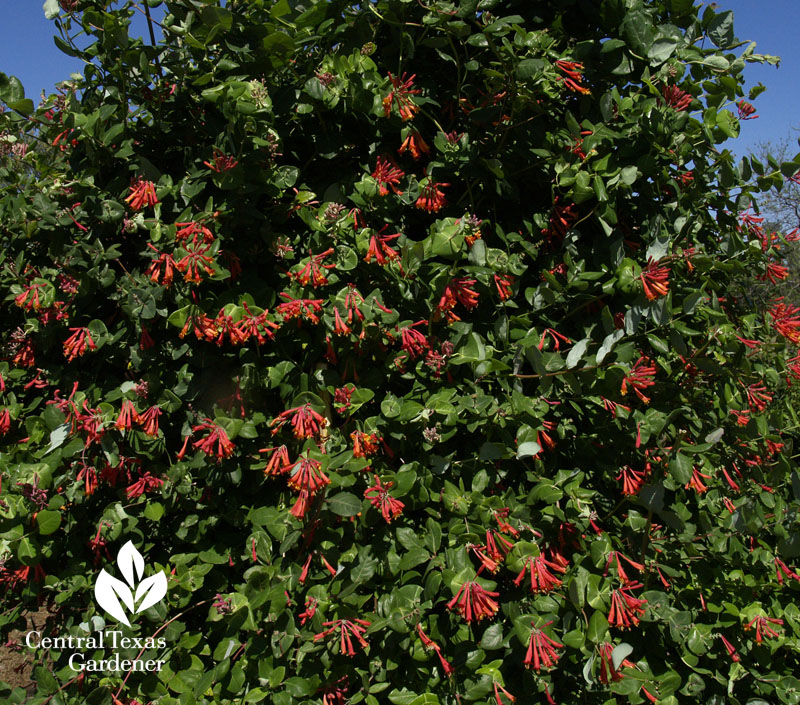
(742, 417)
(29, 298)
(486, 561)
(75, 345)
(379, 249)
(304, 420)
(625, 608)
(497, 545)
(257, 326)
(5, 421)
(127, 416)
(145, 483)
(149, 420)
(164, 262)
(328, 566)
(729, 647)
(500, 516)
(474, 602)
(763, 627)
(573, 75)
(364, 444)
(379, 496)
(542, 579)
(312, 270)
(616, 556)
(775, 273)
(640, 377)
(146, 340)
(676, 98)
(412, 341)
(786, 320)
(309, 611)
(306, 475)
(431, 197)
(542, 650)
(225, 326)
(278, 462)
(387, 174)
(745, 110)
(222, 163)
(503, 282)
(782, 569)
(97, 546)
(752, 344)
(88, 474)
(612, 406)
(142, 193)
(401, 90)
(347, 628)
(498, 690)
(632, 480)
(457, 291)
(696, 482)
(758, 398)
(429, 644)
(216, 444)
(203, 326)
(414, 144)
(655, 279)
(300, 507)
(295, 308)
(556, 336)
(339, 326)
(193, 230)
(729, 480)
(194, 261)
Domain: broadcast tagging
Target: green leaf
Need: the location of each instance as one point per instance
(154, 511)
(11, 88)
(598, 627)
(48, 521)
(637, 30)
(426, 699)
(620, 653)
(661, 50)
(492, 638)
(576, 353)
(344, 504)
(23, 106)
(720, 29)
(528, 449)
(57, 437)
(716, 62)
(681, 468)
(280, 8)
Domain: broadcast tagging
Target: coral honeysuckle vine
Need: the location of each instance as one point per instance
(401, 336)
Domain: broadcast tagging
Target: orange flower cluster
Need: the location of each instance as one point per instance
(379, 496)
(472, 601)
(142, 194)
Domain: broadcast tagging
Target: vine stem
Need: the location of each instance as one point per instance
(560, 372)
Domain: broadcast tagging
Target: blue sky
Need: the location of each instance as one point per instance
(27, 51)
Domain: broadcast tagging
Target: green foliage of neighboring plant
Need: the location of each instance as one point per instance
(400, 336)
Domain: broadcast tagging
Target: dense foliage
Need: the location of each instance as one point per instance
(399, 336)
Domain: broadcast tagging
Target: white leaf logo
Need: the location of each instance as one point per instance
(108, 592)
(112, 594)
